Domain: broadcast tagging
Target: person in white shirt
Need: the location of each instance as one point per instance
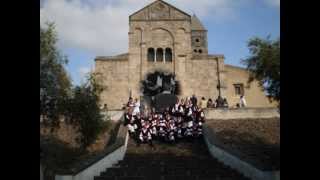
(136, 108)
(243, 102)
(145, 135)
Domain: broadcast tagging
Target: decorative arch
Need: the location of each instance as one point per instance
(181, 29)
(137, 33)
(168, 31)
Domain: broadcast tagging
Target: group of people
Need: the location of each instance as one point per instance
(183, 120)
(221, 103)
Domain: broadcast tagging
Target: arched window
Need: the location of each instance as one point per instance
(159, 54)
(200, 51)
(151, 54)
(168, 55)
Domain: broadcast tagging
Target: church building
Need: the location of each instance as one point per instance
(163, 38)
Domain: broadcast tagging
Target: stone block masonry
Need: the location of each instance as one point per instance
(242, 113)
(157, 28)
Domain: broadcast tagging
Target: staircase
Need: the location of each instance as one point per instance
(181, 161)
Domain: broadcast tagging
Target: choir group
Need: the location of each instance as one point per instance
(183, 120)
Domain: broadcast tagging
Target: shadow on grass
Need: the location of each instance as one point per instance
(250, 148)
(57, 156)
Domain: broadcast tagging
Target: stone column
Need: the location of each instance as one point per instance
(155, 55)
(164, 55)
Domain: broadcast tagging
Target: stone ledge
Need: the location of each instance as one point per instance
(110, 59)
(234, 162)
(241, 113)
(116, 150)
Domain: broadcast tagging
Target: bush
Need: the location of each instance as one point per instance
(58, 99)
(83, 110)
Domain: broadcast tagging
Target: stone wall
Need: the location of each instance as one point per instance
(242, 113)
(199, 77)
(110, 156)
(114, 75)
(254, 95)
(160, 25)
(233, 161)
(156, 34)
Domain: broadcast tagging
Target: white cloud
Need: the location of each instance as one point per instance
(101, 26)
(275, 3)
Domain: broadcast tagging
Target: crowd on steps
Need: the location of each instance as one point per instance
(183, 120)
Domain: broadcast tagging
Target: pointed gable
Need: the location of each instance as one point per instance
(196, 24)
(159, 10)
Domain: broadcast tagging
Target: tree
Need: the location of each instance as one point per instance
(55, 84)
(84, 112)
(59, 99)
(264, 65)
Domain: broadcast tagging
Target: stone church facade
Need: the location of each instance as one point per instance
(164, 38)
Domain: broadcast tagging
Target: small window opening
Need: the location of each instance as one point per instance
(239, 90)
(151, 54)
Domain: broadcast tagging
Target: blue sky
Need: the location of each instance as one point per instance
(90, 28)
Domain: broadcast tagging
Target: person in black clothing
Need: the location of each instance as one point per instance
(210, 103)
(145, 135)
(225, 103)
(193, 100)
(219, 102)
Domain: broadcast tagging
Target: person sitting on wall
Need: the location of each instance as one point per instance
(193, 100)
(219, 102)
(225, 103)
(104, 107)
(209, 103)
(203, 103)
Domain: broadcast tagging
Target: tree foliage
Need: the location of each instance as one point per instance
(55, 84)
(59, 99)
(264, 64)
(84, 112)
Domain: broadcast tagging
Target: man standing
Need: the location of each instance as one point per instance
(243, 102)
(136, 108)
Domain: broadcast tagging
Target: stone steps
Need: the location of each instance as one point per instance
(185, 161)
